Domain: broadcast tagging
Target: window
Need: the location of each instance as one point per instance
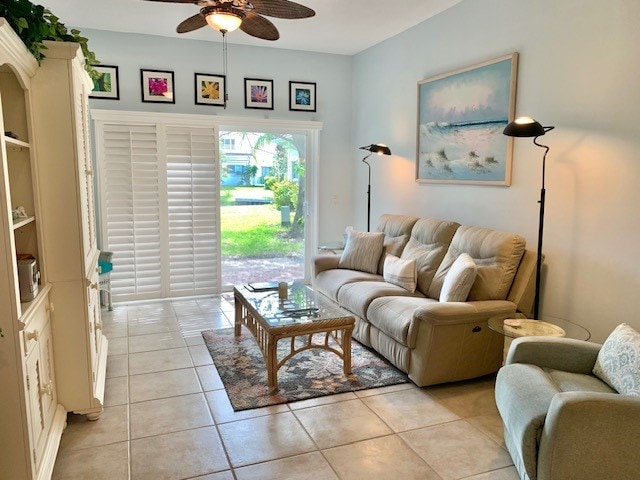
(227, 144)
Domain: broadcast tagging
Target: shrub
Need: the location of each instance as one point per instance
(285, 193)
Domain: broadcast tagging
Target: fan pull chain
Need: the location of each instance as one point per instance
(224, 65)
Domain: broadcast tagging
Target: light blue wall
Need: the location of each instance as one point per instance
(579, 71)
(332, 74)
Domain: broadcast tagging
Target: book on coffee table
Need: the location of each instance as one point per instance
(262, 286)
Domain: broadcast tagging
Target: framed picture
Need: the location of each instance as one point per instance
(210, 89)
(157, 86)
(302, 96)
(258, 93)
(461, 116)
(106, 85)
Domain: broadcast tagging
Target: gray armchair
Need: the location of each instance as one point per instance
(560, 421)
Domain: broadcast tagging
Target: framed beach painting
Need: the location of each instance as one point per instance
(157, 86)
(461, 116)
(258, 93)
(302, 96)
(210, 89)
(105, 83)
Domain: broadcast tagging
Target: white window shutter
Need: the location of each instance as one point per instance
(160, 213)
(130, 207)
(193, 194)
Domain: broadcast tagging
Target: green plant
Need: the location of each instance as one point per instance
(285, 193)
(34, 24)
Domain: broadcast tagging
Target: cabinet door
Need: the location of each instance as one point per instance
(48, 397)
(36, 418)
(85, 168)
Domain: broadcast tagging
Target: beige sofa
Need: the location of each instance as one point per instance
(434, 342)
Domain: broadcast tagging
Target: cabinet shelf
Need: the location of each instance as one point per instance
(22, 222)
(14, 144)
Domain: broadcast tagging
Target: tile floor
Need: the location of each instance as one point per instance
(167, 416)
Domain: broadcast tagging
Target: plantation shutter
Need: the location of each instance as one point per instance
(159, 191)
(131, 210)
(192, 211)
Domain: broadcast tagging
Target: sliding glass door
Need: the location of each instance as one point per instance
(190, 207)
(262, 205)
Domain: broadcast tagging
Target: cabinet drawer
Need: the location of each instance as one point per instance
(35, 326)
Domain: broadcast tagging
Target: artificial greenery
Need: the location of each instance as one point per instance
(34, 24)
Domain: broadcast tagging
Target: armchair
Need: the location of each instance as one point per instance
(560, 421)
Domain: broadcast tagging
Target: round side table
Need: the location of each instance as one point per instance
(550, 327)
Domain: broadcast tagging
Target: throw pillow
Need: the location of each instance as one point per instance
(392, 246)
(618, 362)
(400, 272)
(362, 251)
(459, 279)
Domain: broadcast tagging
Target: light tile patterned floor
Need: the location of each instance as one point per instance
(167, 416)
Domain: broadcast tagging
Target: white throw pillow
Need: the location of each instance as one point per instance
(618, 362)
(459, 279)
(362, 251)
(400, 272)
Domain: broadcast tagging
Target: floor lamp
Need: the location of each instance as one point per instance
(528, 127)
(380, 149)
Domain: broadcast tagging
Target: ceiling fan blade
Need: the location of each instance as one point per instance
(281, 9)
(175, 1)
(192, 23)
(257, 26)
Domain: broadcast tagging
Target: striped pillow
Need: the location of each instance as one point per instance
(362, 251)
(400, 272)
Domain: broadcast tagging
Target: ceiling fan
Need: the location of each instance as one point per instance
(229, 15)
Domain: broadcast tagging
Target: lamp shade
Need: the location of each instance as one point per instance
(524, 127)
(224, 19)
(379, 148)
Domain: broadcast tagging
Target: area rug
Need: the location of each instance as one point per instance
(312, 373)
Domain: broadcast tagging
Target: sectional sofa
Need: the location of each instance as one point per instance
(431, 338)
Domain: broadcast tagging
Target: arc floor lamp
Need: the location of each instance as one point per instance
(380, 149)
(528, 127)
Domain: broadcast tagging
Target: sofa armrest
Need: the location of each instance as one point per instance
(556, 353)
(453, 313)
(325, 261)
(590, 435)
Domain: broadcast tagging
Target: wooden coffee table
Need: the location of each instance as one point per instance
(304, 313)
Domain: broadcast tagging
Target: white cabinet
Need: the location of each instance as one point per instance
(31, 420)
(60, 89)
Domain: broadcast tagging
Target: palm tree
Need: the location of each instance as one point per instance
(297, 143)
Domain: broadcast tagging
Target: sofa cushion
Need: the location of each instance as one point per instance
(400, 272)
(427, 246)
(362, 251)
(459, 279)
(357, 296)
(393, 315)
(329, 282)
(392, 246)
(497, 255)
(618, 362)
(577, 382)
(396, 229)
(396, 225)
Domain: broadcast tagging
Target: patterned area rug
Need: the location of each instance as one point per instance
(312, 373)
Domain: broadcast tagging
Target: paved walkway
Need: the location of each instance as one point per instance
(237, 271)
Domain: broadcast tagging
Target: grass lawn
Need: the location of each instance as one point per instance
(255, 231)
(229, 194)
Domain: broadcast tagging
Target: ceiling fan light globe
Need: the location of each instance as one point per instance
(224, 21)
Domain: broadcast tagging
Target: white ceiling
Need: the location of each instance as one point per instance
(340, 26)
